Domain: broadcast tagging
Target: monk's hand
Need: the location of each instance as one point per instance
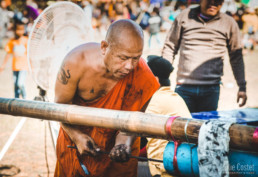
(122, 148)
(86, 145)
(120, 153)
(241, 96)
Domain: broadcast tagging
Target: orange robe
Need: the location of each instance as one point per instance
(129, 94)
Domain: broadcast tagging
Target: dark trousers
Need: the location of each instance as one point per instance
(199, 98)
(19, 78)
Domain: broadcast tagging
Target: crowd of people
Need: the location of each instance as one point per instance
(200, 35)
(153, 16)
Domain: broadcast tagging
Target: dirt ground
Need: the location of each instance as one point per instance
(27, 152)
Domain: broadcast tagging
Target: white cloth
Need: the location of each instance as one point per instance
(213, 149)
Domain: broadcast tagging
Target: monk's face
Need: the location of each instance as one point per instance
(122, 57)
(211, 7)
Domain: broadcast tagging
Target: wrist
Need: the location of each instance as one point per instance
(72, 132)
(122, 138)
(242, 89)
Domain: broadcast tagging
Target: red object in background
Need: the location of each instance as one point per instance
(143, 152)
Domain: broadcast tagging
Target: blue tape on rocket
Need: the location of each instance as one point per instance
(186, 153)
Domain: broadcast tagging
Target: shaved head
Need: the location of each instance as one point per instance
(123, 29)
(122, 48)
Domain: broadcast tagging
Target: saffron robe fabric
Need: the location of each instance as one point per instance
(129, 94)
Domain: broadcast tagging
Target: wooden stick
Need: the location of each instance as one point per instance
(133, 122)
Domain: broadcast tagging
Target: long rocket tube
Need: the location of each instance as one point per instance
(134, 122)
(151, 125)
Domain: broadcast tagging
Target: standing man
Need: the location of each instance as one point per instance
(203, 35)
(108, 75)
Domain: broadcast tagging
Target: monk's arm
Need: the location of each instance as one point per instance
(65, 88)
(84, 143)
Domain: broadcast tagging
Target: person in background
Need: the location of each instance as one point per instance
(250, 27)
(203, 35)
(3, 22)
(155, 22)
(179, 7)
(119, 10)
(17, 49)
(88, 9)
(165, 102)
(238, 16)
(134, 10)
(144, 15)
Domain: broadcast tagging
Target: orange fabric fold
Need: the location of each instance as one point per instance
(129, 94)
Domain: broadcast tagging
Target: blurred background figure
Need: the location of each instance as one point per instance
(229, 6)
(4, 19)
(17, 49)
(88, 9)
(143, 17)
(179, 7)
(120, 11)
(134, 10)
(155, 22)
(238, 16)
(32, 3)
(250, 27)
(26, 14)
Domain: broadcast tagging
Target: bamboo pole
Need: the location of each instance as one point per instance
(241, 136)
(134, 122)
(142, 124)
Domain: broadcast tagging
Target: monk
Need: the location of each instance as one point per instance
(109, 75)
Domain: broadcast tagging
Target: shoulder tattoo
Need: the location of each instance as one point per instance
(63, 75)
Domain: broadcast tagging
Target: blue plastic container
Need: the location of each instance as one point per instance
(242, 163)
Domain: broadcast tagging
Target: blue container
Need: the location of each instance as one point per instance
(242, 163)
(241, 116)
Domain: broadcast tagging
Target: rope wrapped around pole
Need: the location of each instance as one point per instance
(142, 124)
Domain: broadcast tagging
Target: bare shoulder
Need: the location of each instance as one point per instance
(82, 55)
(74, 71)
(77, 61)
